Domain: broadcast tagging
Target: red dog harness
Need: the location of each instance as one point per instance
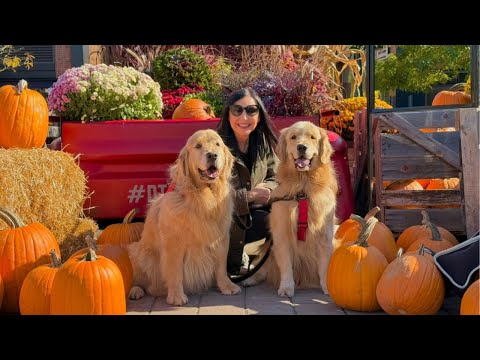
(302, 219)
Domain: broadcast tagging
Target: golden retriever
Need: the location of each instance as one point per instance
(305, 167)
(184, 244)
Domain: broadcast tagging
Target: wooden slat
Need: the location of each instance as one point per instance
(397, 145)
(396, 121)
(405, 168)
(421, 198)
(451, 219)
(432, 118)
(378, 169)
(469, 120)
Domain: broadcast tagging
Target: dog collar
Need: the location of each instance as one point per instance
(302, 218)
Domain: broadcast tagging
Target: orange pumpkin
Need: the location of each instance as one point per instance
(22, 248)
(470, 304)
(37, 288)
(411, 285)
(354, 270)
(92, 285)
(446, 97)
(124, 233)
(404, 185)
(23, 117)
(423, 182)
(432, 240)
(117, 254)
(193, 109)
(412, 233)
(381, 237)
(444, 184)
(2, 289)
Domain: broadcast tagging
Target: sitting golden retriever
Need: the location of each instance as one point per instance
(305, 170)
(185, 240)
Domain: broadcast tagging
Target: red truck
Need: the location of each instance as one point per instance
(126, 161)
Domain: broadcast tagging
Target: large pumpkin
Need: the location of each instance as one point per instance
(447, 97)
(193, 109)
(93, 285)
(23, 117)
(118, 254)
(37, 288)
(411, 285)
(22, 248)
(470, 304)
(354, 270)
(124, 233)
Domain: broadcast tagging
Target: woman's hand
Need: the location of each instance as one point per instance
(259, 195)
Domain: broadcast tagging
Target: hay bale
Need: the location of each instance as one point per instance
(75, 240)
(43, 185)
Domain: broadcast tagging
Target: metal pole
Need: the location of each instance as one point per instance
(370, 107)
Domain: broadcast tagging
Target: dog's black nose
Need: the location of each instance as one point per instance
(212, 156)
(301, 148)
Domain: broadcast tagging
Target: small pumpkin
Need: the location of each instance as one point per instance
(92, 285)
(22, 248)
(124, 233)
(37, 288)
(193, 109)
(470, 304)
(412, 233)
(381, 237)
(432, 240)
(446, 97)
(118, 254)
(354, 270)
(444, 184)
(23, 117)
(411, 285)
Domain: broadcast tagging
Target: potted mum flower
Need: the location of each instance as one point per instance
(101, 92)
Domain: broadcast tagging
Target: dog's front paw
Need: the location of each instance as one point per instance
(286, 289)
(136, 292)
(251, 281)
(177, 298)
(229, 288)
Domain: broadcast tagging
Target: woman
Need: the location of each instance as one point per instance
(247, 130)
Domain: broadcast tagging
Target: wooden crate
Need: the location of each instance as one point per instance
(413, 154)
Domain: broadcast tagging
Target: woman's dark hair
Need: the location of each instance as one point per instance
(262, 139)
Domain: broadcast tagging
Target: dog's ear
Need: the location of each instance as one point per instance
(326, 150)
(179, 170)
(229, 160)
(282, 145)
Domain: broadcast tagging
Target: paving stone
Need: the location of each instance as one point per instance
(318, 309)
(160, 307)
(141, 306)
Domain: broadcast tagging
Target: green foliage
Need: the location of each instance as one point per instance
(417, 68)
(213, 97)
(181, 66)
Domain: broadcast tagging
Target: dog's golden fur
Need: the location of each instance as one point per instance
(305, 167)
(184, 244)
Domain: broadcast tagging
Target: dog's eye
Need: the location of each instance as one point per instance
(293, 137)
(218, 144)
(312, 137)
(198, 146)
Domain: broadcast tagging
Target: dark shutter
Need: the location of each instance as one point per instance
(41, 75)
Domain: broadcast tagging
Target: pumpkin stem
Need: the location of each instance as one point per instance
(22, 85)
(400, 252)
(10, 218)
(55, 260)
(367, 229)
(372, 212)
(435, 233)
(90, 255)
(91, 243)
(359, 219)
(426, 218)
(130, 216)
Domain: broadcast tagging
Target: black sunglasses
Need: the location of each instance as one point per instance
(251, 110)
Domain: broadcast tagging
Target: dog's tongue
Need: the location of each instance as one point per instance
(301, 162)
(212, 173)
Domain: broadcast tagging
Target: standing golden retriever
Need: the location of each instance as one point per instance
(305, 169)
(185, 240)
